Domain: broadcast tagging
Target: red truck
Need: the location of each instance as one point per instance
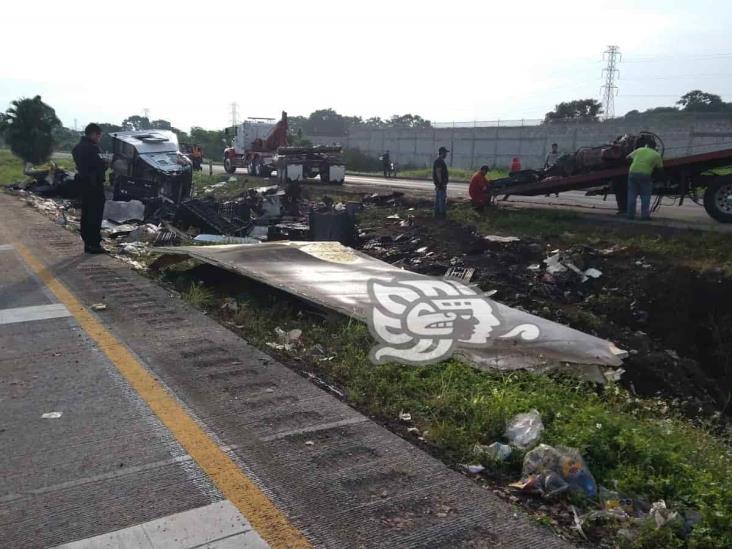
(260, 145)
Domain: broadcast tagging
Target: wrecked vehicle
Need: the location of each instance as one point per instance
(147, 165)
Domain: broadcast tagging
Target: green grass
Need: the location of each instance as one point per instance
(641, 447)
(11, 167)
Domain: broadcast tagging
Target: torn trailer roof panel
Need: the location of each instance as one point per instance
(336, 277)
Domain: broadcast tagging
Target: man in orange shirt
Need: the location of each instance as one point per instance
(478, 189)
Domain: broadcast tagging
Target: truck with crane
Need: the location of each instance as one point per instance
(261, 146)
(704, 178)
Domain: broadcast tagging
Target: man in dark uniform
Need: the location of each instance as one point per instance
(439, 177)
(91, 167)
(386, 162)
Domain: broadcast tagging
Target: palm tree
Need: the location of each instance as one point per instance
(27, 127)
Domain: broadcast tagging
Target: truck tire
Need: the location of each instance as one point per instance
(229, 165)
(325, 174)
(718, 199)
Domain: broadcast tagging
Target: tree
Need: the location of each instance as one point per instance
(161, 125)
(408, 121)
(579, 109)
(375, 122)
(699, 101)
(136, 123)
(212, 141)
(28, 127)
(325, 122)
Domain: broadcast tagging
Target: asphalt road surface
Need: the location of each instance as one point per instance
(690, 215)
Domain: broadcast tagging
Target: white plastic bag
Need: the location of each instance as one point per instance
(524, 430)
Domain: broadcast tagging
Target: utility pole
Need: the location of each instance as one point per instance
(76, 125)
(234, 113)
(147, 113)
(610, 73)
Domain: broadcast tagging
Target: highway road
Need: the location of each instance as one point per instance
(670, 214)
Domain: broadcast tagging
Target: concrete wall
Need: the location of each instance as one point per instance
(496, 146)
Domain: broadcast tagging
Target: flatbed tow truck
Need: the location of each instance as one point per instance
(683, 177)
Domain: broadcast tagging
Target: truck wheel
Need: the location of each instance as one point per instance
(718, 199)
(229, 165)
(325, 174)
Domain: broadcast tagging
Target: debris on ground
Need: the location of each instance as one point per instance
(119, 211)
(99, 307)
(524, 430)
(51, 415)
(497, 451)
(549, 471)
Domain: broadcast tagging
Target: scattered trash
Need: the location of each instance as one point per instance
(593, 273)
(504, 239)
(673, 354)
(309, 443)
(578, 523)
(99, 307)
(553, 265)
(230, 304)
(222, 239)
(534, 267)
(473, 469)
(524, 430)
(660, 514)
(405, 416)
(413, 430)
(496, 451)
(51, 415)
(463, 274)
(550, 471)
(121, 211)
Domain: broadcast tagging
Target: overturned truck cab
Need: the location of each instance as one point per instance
(147, 166)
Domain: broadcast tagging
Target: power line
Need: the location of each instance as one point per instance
(610, 89)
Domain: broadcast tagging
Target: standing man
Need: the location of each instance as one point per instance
(552, 156)
(478, 189)
(386, 162)
(90, 167)
(640, 178)
(439, 177)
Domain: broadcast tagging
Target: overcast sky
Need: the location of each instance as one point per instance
(459, 60)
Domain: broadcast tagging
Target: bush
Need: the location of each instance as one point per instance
(356, 161)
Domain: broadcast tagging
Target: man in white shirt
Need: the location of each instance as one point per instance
(552, 156)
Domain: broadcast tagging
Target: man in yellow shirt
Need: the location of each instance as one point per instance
(640, 181)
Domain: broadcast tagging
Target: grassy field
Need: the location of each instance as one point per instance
(11, 167)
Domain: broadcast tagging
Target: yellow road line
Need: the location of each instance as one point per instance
(236, 486)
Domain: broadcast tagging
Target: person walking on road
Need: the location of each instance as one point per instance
(91, 167)
(386, 163)
(440, 178)
(478, 189)
(640, 178)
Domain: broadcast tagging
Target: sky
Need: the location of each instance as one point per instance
(187, 62)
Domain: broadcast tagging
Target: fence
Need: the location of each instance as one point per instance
(496, 145)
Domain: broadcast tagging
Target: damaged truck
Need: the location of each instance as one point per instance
(148, 166)
(261, 146)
